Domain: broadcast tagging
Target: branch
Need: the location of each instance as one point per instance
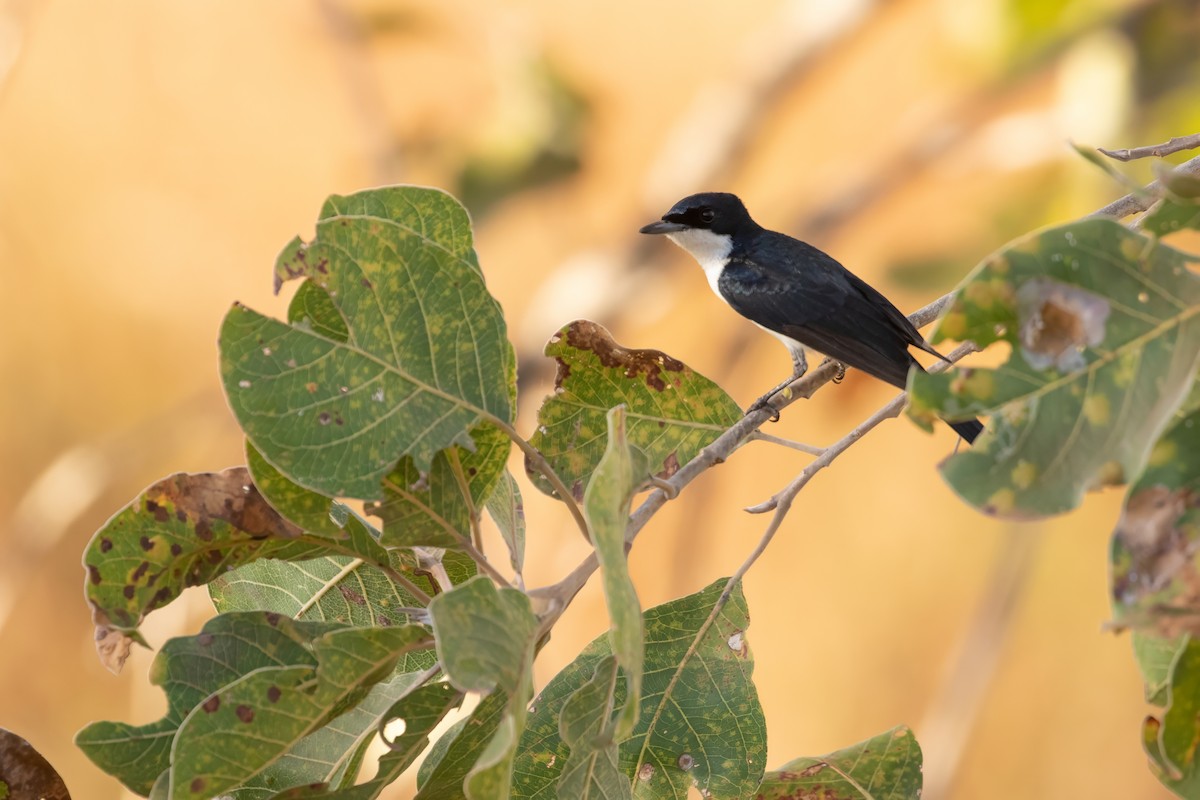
(558, 596)
(1173, 145)
(1140, 201)
(892, 409)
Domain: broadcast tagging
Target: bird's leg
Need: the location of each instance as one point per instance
(799, 367)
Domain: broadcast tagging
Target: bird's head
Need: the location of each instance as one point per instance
(704, 224)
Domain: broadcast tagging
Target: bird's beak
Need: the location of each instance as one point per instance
(663, 226)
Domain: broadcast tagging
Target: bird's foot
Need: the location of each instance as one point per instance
(840, 375)
(764, 402)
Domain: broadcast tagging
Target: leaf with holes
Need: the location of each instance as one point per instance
(606, 505)
(1155, 579)
(421, 710)
(189, 669)
(455, 754)
(433, 507)
(884, 767)
(424, 358)
(1103, 326)
(251, 722)
(700, 720)
(188, 529)
(673, 411)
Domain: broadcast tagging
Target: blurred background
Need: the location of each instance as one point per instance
(156, 156)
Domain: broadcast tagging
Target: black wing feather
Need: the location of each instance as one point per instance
(795, 289)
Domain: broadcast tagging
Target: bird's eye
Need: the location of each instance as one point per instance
(707, 215)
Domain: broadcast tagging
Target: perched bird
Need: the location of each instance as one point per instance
(795, 292)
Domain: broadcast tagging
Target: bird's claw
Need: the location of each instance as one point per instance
(761, 403)
(840, 374)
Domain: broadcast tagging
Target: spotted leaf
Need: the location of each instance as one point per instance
(700, 721)
(884, 767)
(416, 355)
(246, 725)
(673, 411)
(188, 529)
(1102, 327)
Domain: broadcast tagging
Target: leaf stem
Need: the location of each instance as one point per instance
(460, 541)
(464, 487)
(539, 462)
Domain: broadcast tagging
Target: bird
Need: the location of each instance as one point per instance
(797, 293)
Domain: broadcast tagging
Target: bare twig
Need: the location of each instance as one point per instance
(892, 409)
(759, 436)
(1173, 145)
(1140, 201)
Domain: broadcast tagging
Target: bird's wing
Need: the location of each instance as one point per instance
(822, 305)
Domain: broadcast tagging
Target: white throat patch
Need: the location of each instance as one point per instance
(710, 249)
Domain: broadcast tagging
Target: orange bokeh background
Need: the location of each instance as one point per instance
(156, 156)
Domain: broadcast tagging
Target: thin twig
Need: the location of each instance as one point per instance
(539, 462)
(1140, 201)
(1173, 145)
(759, 436)
(892, 409)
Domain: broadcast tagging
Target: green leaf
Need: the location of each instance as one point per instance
(1103, 327)
(1154, 656)
(1171, 742)
(484, 635)
(674, 412)
(185, 531)
(333, 588)
(424, 358)
(1178, 209)
(421, 711)
(433, 507)
(189, 669)
(453, 756)
(700, 720)
(508, 512)
(254, 720)
(606, 506)
(1155, 579)
(312, 511)
(592, 770)
(485, 640)
(884, 767)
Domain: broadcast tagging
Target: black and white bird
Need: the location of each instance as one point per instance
(795, 292)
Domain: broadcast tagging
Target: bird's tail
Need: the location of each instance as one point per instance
(967, 430)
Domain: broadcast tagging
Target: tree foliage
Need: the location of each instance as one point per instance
(391, 380)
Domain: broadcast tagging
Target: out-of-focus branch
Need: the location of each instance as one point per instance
(1140, 201)
(1173, 145)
